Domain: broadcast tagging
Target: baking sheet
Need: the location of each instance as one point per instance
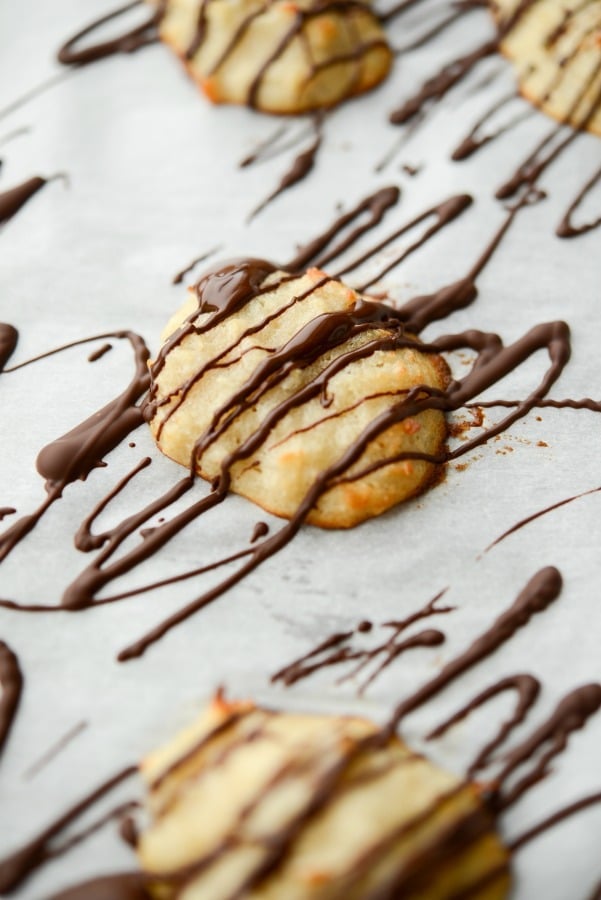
(153, 182)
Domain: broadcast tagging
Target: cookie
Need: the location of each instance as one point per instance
(279, 56)
(556, 48)
(252, 803)
(267, 381)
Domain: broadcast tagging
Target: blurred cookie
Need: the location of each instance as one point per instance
(257, 804)
(556, 48)
(283, 56)
(269, 380)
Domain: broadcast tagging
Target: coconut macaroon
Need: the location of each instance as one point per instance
(295, 391)
(556, 48)
(257, 804)
(279, 56)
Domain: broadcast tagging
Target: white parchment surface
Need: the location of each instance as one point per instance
(153, 181)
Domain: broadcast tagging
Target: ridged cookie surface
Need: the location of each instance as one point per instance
(256, 804)
(556, 48)
(278, 56)
(294, 390)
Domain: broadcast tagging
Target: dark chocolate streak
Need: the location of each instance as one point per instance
(76, 453)
(541, 512)
(564, 813)
(375, 206)
(529, 171)
(566, 229)
(439, 85)
(15, 198)
(17, 866)
(542, 590)
(300, 168)
(54, 750)
(137, 37)
(570, 715)
(476, 139)
(120, 886)
(311, 662)
(179, 276)
(527, 688)
(95, 355)
(11, 686)
(9, 337)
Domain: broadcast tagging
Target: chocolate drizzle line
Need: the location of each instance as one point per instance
(374, 205)
(120, 886)
(56, 748)
(33, 92)
(475, 140)
(541, 512)
(132, 40)
(76, 453)
(391, 648)
(570, 715)
(566, 229)
(9, 337)
(528, 172)
(100, 352)
(438, 86)
(527, 688)
(564, 813)
(542, 590)
(179, 277)
(11, 686)
(16, 867)
(15, 198)
(302, 165)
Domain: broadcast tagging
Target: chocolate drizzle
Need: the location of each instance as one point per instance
(564, 813)
(121, 886)
(439, 85)
(302, 165)
(541, 512)
(542, 590)
(11, 686)
(374, 205)
(566, 229)
(179, 276)
(390, 649)
(15, 198)
(76, 453)
(527, 688)
(132, 40)
(16, 867)
(9, 337)
(475, 140)
(571, 714)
